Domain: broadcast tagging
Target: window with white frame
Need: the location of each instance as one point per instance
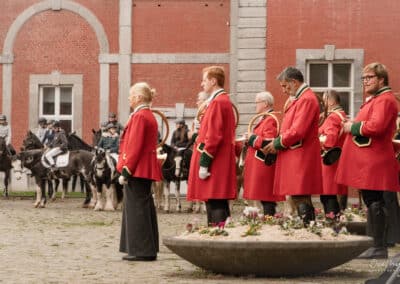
(337, 75)
(55, 102)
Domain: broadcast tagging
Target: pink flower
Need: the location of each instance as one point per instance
(221, 225)
(278, 215)
(331, 215)
(317, 210)
(355, 206)
(189, 227)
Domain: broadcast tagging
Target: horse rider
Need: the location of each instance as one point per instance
(58, 146)
(49, 134)
(42, 129)
(109, 141)
(112, 118)
(5, 132)
(180, 137)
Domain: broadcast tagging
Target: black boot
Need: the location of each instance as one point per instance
(269, 207)
(306, 213)
(330, 204)
(342, 199)
(377, 223)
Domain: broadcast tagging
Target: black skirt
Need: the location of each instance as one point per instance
(139, 230)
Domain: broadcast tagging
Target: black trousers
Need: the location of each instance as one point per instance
(139, 230)
(217, 210)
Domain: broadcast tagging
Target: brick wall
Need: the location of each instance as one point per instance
(173, 26)
(308, 24)
(50, 41)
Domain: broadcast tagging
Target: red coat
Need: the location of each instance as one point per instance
(216, 135)
(298, 166)
(332, 130)
(258, 177)
(374, 166)
(137, 148)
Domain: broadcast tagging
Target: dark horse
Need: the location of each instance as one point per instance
(74, 143)
(5, 164)
(175, 169)
(106, 176)
(79, 163)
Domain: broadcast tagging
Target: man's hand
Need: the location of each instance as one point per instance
(347, 126)
(203, 173)
(122, 180)
(269, 149)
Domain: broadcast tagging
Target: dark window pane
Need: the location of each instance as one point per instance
(48, 101)
(318, 75)
(65, 100)
(341, 75)
(66, 125)
(345, 101)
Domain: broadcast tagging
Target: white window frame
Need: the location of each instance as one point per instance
(329, 53)
(55, 78)
(57, 100)
(330, 64)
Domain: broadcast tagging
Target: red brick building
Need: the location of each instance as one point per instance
(74, 60)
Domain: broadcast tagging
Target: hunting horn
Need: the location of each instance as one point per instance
(165, 121)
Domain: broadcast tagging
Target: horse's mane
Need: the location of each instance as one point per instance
(77, 143)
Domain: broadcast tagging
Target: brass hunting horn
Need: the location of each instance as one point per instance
(163, 121)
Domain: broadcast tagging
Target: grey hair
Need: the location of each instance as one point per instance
(291, 73)
(266, 96)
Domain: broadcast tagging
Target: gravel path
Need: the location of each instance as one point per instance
(65, 243)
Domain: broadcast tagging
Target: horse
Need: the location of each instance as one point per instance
(77, 143)
(96, 136)
(106, 177)
(79, 163)
(5, 164)
(169, 175)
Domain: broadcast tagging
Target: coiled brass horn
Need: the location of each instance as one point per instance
(202, 107)
(163, 121)
(254, 118)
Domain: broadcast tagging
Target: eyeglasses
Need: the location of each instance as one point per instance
(367, 78)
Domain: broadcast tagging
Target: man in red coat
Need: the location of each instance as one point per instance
(259, 172)
(368, 159)
(212, 176)
(331, 136)
(298, 166)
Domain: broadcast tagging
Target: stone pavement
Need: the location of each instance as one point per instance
(65, 243)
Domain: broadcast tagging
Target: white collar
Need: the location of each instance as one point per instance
(139, 107)
(214, 95)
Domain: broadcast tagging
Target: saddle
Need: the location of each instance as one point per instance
(61, 160)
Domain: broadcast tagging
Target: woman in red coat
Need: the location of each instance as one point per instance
(368, 159)
(258, 176)
(212, 176)
(331, 135)
(138, 166)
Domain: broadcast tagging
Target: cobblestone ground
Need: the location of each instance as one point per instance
(65, 243)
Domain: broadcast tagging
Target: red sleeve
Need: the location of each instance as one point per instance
(378, 122)
(303, 118)
(135, 141)
(214, 136)
(268, 131)
(332, 130)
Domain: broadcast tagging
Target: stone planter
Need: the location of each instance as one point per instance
(267, 258)
(357, 228)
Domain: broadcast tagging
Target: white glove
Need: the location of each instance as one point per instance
(203, 173)
(196, 124)
(122, 180)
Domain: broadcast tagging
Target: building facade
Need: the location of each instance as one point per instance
(75, 60)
